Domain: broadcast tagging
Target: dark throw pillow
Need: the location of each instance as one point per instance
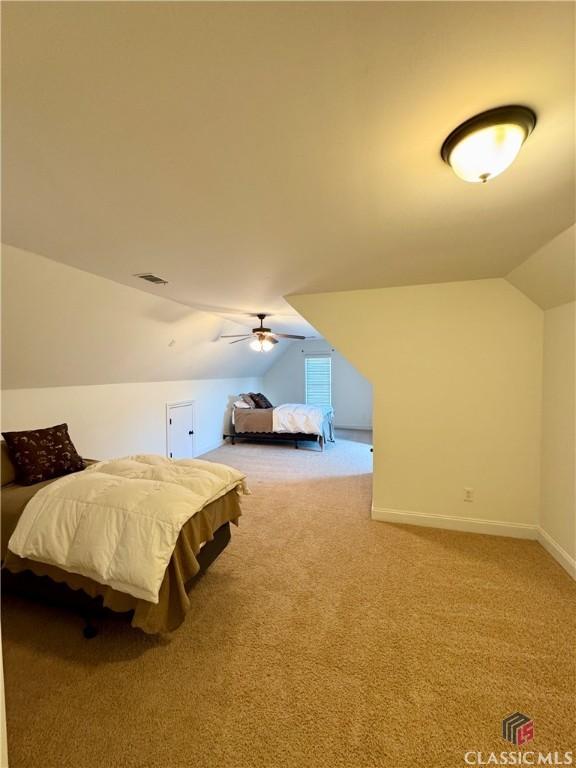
(261, 400)
(265, 400)
(248, 400)
(41, 454)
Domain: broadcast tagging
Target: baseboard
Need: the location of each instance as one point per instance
(364, 428)
(452, 523)
(558, 553)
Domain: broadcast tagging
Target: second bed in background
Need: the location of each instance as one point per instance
(255, 418)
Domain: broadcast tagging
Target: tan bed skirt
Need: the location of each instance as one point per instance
(174, 603)
(253, 419)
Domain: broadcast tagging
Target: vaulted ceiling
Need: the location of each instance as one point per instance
(65, 327)
(246, 151)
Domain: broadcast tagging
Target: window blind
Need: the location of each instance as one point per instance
(318, 372)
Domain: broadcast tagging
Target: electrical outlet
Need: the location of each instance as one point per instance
(468, 494)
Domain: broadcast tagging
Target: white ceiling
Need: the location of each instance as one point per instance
(247, 151)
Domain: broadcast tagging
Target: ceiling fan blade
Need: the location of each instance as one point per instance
(246, 338)
(289, 336)
(235, 335)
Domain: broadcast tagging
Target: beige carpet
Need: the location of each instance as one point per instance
(318, 639)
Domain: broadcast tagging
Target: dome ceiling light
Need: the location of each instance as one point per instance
(486, 144)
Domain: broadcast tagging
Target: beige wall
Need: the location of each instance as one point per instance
(120, 419)
(456, 372)
(558, 505)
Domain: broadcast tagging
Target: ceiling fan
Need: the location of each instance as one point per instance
(262, 339)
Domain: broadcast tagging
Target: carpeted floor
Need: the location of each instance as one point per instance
(319, 639)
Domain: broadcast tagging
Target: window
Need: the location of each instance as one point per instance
(318, 372)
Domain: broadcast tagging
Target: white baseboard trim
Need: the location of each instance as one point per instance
(558, 553)
(363, 428)
(452, 523)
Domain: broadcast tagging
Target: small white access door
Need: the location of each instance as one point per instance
(180, 430)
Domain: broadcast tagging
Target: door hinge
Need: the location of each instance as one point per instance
(170, 421)
(170, 454)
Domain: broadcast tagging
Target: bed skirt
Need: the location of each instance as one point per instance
(252, 430)
(210, 527)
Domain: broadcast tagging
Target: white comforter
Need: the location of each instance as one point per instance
(117, 522)
(296, 417)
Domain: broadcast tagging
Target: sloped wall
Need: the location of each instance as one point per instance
(106, 358)
(548, 276)
(456, 371)
(63, 327)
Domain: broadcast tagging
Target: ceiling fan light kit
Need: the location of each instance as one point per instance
(261, 339)
(483, 147)
(262, 345)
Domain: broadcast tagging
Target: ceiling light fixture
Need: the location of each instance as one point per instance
(261, 345)
(261, 339)
(486, 144)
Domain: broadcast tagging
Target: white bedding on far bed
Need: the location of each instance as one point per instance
(297, 417)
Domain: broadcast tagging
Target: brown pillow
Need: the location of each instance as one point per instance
(247, 399)
(261, 400)
(265, 400)
(41, 454)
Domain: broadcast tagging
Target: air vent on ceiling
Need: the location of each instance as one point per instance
(152, 278)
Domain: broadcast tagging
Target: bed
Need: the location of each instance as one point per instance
(200, 541)
(254, 418)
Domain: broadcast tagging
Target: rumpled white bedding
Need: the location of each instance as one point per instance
(117, 522)
(297, 417)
